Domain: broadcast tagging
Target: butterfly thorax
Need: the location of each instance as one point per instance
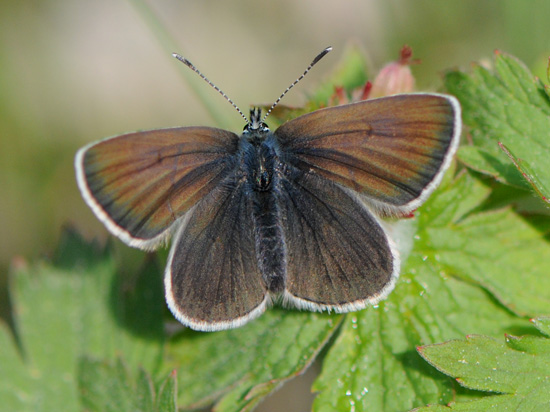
(260, 151)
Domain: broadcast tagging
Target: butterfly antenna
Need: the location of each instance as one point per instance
(226, 97)
(313, 63)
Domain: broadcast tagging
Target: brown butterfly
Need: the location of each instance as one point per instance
(287, 215)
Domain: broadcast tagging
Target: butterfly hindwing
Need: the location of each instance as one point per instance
(140, 183)
(212, 278)
(339, 256)
(392, 150)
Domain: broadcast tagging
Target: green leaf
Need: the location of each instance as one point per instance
(167, 393)
(108, 386)
(528, 173)
(519, 369)
(542, 323)
(70, 307)
(507, 254)
(478, 158)
(508, 112)
(244, 365)
(372, 364)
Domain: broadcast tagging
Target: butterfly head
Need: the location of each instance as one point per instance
(256, 123)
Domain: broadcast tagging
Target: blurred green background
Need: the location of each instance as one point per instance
(74, 71)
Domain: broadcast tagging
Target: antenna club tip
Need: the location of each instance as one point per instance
(321, 55)
(182, 59)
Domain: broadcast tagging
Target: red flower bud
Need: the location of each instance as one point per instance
(395, 77)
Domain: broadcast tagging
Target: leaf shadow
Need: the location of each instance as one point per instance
(136, 300)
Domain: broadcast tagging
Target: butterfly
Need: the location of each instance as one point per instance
(289, 215)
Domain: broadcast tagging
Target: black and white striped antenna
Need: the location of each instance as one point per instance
(226, 97)
(313, 63)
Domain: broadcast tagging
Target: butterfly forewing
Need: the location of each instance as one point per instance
(140, 183)
(393, 150)
(212, 279)
(339, 257)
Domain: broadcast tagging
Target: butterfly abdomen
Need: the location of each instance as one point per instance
(270, 246)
